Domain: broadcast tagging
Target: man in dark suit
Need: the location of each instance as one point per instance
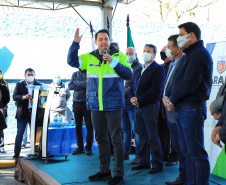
(145, 93)
(164, 134)
(189, 93)
(23, 96)
(178, 56)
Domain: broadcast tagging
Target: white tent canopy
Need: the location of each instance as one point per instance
(105, 5)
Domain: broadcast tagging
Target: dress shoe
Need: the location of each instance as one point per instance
(155, 170)
(178, 181)
(100, 176)
(136, 160)
(16, 156)
(89, 151)
(78, 151)
(116, 180)
(171, 163)
(139, 167)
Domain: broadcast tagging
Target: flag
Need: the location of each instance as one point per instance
(129, 35)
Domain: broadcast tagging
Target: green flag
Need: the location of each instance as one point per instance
(129, 38)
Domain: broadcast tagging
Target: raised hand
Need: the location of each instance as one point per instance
(77, 38)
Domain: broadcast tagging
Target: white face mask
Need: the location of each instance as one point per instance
(131, 58)
(30, 78)
(182, 40)
(168, 53)
(147, 57)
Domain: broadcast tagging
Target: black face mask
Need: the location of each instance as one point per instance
(163, 55)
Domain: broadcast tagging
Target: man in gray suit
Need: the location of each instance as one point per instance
(174, 52)
(218, 111)
(217, 104)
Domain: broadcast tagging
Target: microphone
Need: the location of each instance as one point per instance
(105, 51)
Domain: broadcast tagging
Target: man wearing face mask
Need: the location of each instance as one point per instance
(145, 93)
(60, 97)
(174, 52)
(165, 59)
(189, 92)
(23, 96)
(163, 130)
(128, 115)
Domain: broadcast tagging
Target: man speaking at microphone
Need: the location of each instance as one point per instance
(106, 73)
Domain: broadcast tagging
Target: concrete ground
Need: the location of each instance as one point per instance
(7, 165)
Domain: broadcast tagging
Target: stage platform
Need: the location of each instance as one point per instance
(77, 168)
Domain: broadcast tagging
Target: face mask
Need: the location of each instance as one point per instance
(182, 40)
(30, 79)
(168, 53)
(146, 57)
(131, 58)
(57, 80)
(0, 77)
(163, 55)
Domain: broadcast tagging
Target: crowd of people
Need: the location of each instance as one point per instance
(162, 106)
(176, 92)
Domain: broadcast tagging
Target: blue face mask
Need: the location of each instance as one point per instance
(58, 81)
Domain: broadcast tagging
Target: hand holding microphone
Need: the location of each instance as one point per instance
(106, 56)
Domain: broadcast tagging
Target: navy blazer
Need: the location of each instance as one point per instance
(22, 105)
(192, 86)
(148, 86)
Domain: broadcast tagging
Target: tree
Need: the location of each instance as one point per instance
(178, 8)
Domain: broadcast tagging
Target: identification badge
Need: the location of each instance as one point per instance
(95, 65)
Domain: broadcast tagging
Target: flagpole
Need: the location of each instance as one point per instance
(92, 41)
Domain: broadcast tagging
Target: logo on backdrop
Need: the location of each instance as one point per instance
(221, 64)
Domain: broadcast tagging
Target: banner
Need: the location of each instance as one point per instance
(217, 156)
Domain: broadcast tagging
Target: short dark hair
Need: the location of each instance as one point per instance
(174, 39)
(101, 31)
(29, 69)
(114, 44)
(152, 46)
(191, 27)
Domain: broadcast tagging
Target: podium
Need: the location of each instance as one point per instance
(42, 99)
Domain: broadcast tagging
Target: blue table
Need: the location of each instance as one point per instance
(63, 140)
